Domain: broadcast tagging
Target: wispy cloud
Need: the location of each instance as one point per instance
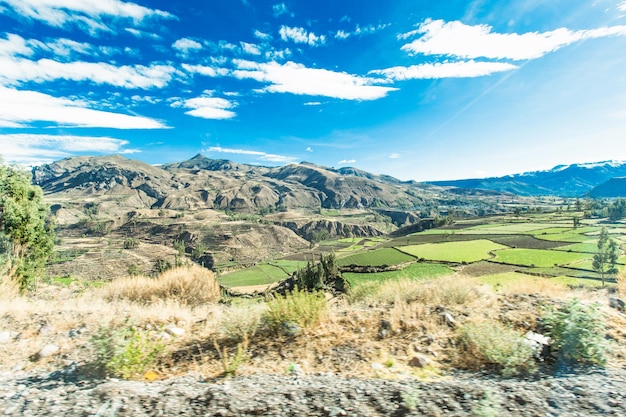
(301, 35)
(33, 149)
(89, 15)
(394, 156)
(16, 71)
(262, 35)
(361, 31)
(263, 156)
(297, 79)
(250, 48)
(465, 41)
(622, 6)
(280, 9)
(208, 107)
(462, 69)
(347, 161)
(18, 108)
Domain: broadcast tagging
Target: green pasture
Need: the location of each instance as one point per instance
(377, 257)
(458, 252)
(419, 270)
(538, 257)
(256, 275)
(289, 266)
(573, 235)
(511, 279)
(586, 247)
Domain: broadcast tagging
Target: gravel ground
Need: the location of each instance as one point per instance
(66, 393)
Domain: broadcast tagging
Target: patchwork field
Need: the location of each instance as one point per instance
(502, 249)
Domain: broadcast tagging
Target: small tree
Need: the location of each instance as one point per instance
(605, 260)
(26, 239)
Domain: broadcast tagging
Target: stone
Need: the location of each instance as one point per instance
(419, 361)
(448, 319)
(618, 304)
(47, 351)
(6, 336)
(173, 330)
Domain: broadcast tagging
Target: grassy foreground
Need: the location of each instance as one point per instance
(152, 328)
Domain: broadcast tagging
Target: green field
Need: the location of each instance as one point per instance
(257, 275)
(538, 257)
(511, 279)
(458, 252)
(378, 257)
(418, 270)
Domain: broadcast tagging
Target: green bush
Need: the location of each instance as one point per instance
(494, 345)
(124, 353)
(300, 307)
(577, 332)
(130, 243)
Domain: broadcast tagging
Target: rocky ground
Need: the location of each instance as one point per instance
(67, 393)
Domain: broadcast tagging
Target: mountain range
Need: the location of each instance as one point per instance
(575, 180)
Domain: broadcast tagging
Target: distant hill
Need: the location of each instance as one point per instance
(615, 187)
(204, 183)
(564, 180)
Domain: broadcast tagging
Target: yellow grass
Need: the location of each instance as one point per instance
(190, 285)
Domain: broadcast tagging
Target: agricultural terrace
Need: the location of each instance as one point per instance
(256, 275)
(377, 257)
(538, 257)
(456, 252)
(417, 270)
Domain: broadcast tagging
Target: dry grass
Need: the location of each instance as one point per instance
(621, 282)
(190, 285)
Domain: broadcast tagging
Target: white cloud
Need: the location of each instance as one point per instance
(461, 40)
(361, 31)
(18, 108)
(142, 33)
(262, 155)
(15, 71)
(280, 9)
(250, 48)
(347, 161)
(301, 35)
(208, 107)
(463, 69)
(33, 149)
(185, 45)
(206, 70)
(262, 36)
(87, 14)
(14, 45)
(313, 103)
(394, 156)
(309, 149)
(297, 79)
(622, 6)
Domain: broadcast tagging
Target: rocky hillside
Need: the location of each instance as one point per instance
(203, 183)
(564, 180)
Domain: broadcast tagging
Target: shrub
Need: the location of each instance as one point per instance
(231, 364)
(242, 320)
(300, 307)
(192, 286)
(494, 345)
(124, 353)
(130, 243)
(621, 282)
(577, 333)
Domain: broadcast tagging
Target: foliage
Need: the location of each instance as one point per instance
(179, 245)
(25, 236)
(320, 275)
(319, 236)
(495, 345)
(242, 320)
(231, 364)
(605, 260)
(577, 331)
(301, 307)
(130, 243)
(161, 265)
(191, 286)
(124, 353)
(616, 210)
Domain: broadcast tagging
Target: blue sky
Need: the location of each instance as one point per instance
(424, 90)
